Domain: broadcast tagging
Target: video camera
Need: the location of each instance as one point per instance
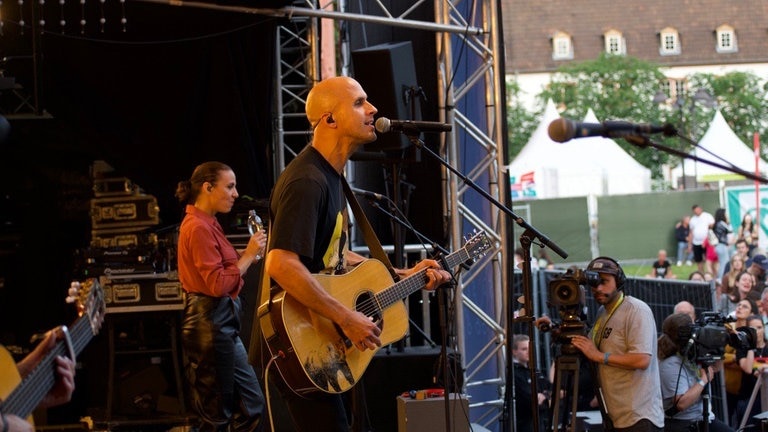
(704, 341)
(566, 292)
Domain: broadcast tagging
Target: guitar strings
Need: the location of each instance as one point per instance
(380, 301)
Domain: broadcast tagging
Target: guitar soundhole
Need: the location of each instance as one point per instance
(366, 304)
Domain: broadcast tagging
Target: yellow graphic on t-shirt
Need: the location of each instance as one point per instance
(331, 256)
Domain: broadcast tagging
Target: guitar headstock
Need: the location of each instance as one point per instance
(88, 297)
(477, 245)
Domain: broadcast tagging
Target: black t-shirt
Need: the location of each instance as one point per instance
(661, 268)
(308, 211)
(681, 233)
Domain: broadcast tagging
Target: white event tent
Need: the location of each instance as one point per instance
(720, 145)
(584, 166)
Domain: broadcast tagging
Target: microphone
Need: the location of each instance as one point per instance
(368, 194)
(384, 125)
(563, 129)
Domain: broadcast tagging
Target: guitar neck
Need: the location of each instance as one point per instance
(33, 388)
(415, 282)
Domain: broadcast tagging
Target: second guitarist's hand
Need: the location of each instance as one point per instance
(65, 370)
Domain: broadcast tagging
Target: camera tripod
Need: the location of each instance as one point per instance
(567, 368)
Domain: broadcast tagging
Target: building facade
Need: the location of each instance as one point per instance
(683, 36)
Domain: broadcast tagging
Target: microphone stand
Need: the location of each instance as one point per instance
(530, 235)
(643, 141)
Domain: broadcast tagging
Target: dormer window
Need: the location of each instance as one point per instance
(726, 39)
(615, 43)
(669, 42)
(562, 46)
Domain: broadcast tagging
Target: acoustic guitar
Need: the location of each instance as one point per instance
(21, 397)
(312, 353)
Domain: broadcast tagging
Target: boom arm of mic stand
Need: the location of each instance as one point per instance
(643, 141)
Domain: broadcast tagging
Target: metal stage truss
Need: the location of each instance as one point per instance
(470, 77)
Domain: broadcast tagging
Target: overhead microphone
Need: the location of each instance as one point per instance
(384, 125)
(368, 194)
(563, 129)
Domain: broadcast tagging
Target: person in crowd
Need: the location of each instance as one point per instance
(731, 367)
(522, 376)
(757, 267)
(697, 276)
(763, 305)
(710, 258)
(749, 232)
(309, 229)
(744, 284)
(728, 281)
(662, 267)
(544, 261)
(723, 231)
(683, 381)
(753, 361)
(519, 260)
(622, 344)
(685, 307)
(684, 252)
(699, 224)
(63, 386)
(741, 250)
(224, 386)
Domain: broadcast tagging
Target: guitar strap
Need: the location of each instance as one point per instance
(374, 246)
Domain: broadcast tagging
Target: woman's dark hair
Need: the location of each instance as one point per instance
(744, 221)
(668, 342)
(188, 190)
(720, 215)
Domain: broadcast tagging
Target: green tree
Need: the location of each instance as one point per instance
(741, 98)
(616, 88)
(520, 122)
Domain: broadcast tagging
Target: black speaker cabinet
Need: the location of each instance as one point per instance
(388, 75)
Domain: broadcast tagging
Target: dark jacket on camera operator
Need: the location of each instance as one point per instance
(683, 380)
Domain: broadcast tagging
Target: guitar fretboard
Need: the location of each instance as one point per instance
(33, 388)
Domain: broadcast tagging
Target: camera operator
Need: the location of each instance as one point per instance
(752, 361)
(622, 344)
(682, 380)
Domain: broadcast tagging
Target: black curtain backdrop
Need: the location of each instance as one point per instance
(180, 86)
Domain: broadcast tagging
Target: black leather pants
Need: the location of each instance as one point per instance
(224, 387)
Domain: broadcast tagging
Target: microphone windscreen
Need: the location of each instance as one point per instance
(382, 125)
(561, 130)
